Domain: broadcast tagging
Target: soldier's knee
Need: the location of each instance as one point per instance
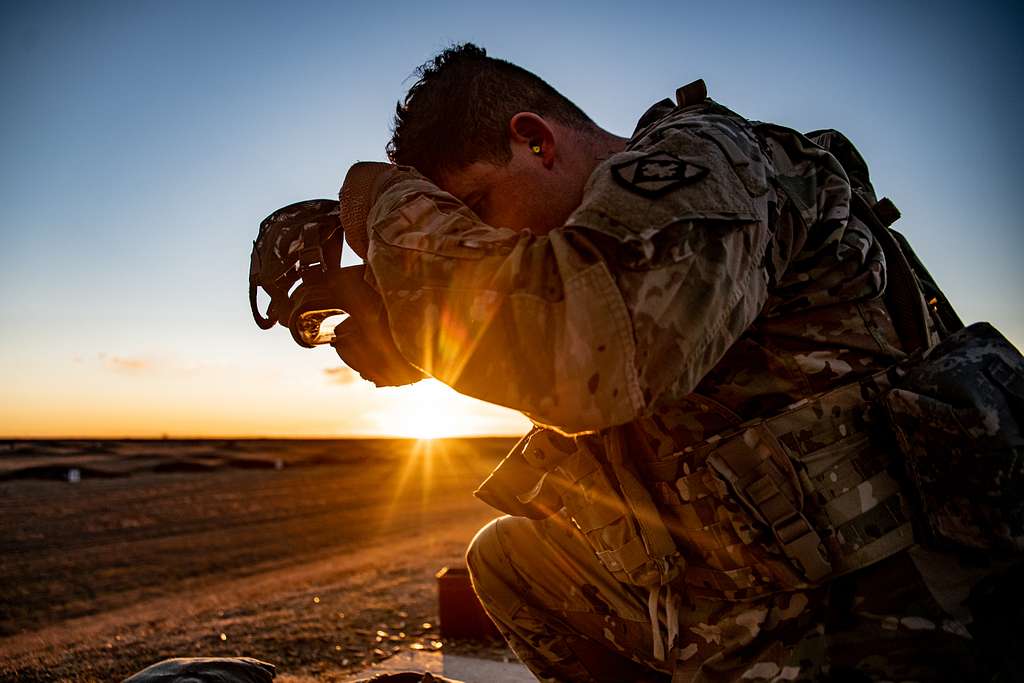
(484, 551)
(491, 569)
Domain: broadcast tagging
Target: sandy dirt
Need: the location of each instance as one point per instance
(316, 556)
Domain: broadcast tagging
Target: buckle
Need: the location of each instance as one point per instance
(806, 551)
(311, 256)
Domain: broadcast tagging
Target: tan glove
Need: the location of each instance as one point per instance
(363, 184)
(363, 340)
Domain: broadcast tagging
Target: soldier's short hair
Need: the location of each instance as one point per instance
(457, 112)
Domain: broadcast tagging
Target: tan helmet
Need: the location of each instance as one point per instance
(296, 250)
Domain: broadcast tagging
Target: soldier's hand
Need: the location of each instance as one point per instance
(363, 184)
(363, 340)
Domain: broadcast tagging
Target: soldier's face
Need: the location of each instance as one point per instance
(521, 195)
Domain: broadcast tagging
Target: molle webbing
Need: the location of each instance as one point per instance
(608, 503)
(605, 498)
(815, 495)
(763, 478)
(659, 546)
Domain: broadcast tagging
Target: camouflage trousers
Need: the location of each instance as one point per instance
(568, 619)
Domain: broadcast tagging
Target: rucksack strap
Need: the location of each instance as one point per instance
(942, 312)
(906, 272)
(903, 291)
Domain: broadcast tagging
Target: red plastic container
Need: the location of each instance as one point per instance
(459, 610)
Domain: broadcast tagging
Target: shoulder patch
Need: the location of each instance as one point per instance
(656, 174)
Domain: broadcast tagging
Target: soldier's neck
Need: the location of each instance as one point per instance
(606, 144)
(600, 145)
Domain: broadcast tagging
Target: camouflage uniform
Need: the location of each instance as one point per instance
(712, 275)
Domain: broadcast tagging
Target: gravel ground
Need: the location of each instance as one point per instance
(322, 567)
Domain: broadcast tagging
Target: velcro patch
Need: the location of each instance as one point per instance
(656, 174)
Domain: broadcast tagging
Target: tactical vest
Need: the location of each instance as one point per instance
(772, 504)
(816, 490)
(754, 504)
(788, 501)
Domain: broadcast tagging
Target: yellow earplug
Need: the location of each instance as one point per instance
(536, 149)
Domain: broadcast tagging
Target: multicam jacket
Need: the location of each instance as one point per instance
(713, 275)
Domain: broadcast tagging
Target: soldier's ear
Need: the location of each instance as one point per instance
(527, 128)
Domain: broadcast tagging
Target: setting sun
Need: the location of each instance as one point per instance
(431, 410)
(431, 425)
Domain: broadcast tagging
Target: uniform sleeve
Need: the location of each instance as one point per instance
(641, 292)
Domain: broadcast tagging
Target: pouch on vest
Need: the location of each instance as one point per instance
(958, 415)
(604, 499)
(618, 517)
(524, 483)
(816, 497)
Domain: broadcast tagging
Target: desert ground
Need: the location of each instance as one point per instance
(317, 556)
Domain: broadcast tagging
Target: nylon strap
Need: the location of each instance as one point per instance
(843, 476)
(626, 559)
(858, 500)
(720, 579)
(578, 465)
(774, 496)
(941, 309)
(898, 539)
(653, 532)
(597, 514)
(903, 291)
(713, 536)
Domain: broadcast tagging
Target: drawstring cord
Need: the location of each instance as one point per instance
(672, 616)
(652, 610)
(671, 620)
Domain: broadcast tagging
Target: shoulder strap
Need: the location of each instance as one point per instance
(903, 291)
(942, 312)
(906, 272)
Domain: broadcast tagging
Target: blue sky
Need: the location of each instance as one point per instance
(143, 142)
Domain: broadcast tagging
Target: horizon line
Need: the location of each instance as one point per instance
(334, 437)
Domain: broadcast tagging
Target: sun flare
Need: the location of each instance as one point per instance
(431, 410)
(431, 424)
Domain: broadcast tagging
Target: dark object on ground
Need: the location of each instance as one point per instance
(206, 670)
(247, 670)
(461, 614)
(408, 677)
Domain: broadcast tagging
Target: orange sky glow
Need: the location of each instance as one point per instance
(144, 144)
(125, 397)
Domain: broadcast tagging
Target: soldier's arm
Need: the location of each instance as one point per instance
(637, 296)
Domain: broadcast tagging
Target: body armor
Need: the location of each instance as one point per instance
(774, 474)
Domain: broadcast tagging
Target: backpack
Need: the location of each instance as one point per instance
(956, 410)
